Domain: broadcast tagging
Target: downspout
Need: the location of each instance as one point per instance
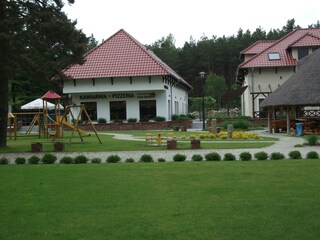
(252, 91)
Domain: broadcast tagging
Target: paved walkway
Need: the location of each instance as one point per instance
(284, 145)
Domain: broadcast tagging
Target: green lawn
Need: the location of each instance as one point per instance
(189, 200)
(91, 143)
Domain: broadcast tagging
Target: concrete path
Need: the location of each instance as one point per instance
(284, 145)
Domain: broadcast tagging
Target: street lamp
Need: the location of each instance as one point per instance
(202, 75)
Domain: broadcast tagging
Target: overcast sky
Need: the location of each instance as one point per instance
(149, 20)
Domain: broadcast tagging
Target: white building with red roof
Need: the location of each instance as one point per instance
(268, 64)
(121, 79)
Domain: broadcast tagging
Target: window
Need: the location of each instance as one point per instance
(118, 111)
(148, 109)
(274, 56)
(302, 52)
(91, 108)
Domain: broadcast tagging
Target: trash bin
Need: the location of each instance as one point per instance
(299, 128)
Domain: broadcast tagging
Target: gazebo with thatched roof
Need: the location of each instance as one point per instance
(300, 91)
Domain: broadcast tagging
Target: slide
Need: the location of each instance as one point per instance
(82, 132)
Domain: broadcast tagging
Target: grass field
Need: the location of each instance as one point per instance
(189, 200)
(91, 143)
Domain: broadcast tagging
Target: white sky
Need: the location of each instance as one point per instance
(149, 20)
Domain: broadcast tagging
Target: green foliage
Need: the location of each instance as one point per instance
(196, 104)
(229, 157)
(113, 159)
(245, 156)
(174, 117)
(102, 120)
(66, 160)
(159, 119)
(261, 155)
(240, 125)
(20, 160)
(213, 156)
(295, 155)
(80, 159)
(146, 158)
(129, 160)
(96, 160)
(312, 140)
(132, 120)
(216, 86)
(276, 156)
(161, 160)
(49, 158)
(196, 157)
(312, 155)
(34, 160)
(4, 161)
(179, 157)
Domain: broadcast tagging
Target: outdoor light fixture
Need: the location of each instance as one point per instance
(202, 75)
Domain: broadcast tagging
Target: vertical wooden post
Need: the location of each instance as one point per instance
(288, 121)
(270, 119)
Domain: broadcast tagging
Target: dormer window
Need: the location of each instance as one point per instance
(274, 56)
(302, 52)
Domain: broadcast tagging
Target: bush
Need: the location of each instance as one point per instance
(295, 155)
(20, 160)
(34, 160)
(276, 156)
(189, 115)
(66, 160)
(245, 156)
(179, 157)
(312, 155)
(182, 117)
(174, 117)
(146, 158)
(213, 156)
(80, 159)
(102, 120)
(161, 160)
(113, 159)
(261, 155)
(229, 157)
(48, 158)
(132, 120)
(197, 158)
(241, 124)
(130, 160)
(4, 161)
(96, 160)
(312, 140)
(159, 119)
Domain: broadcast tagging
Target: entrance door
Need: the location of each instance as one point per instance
(148, 109)
(118, 111)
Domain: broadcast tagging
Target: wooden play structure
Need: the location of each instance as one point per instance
(12, 126)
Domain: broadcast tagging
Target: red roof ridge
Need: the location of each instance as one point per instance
(303, 36)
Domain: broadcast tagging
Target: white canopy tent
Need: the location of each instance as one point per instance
(38, 105)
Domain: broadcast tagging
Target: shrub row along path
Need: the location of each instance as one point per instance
(284, 145)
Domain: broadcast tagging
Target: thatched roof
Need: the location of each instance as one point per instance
(302, 88)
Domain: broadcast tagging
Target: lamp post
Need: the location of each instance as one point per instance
(202, 74)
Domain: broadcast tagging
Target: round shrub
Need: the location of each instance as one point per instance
(4, 161)
(132, 120)
(130, 160)
(66, 160)
(80, 159)
(96, 160)
(49, 158)
(312, 140)
(113, 159)
(276, 156)
(179, 157)
(245, 156)
(34, 160)
(229, 157)
(312, 155)
(161, 160)
(102, 120)
(20, 160)
(213, 156)
(146, 158)
(295, 155)
(261, 155)
(159, 119)
(197, 158)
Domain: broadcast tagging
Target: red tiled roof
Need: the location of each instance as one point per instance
(257, 47)
(121, 56)
(306, 40)
(280, 46)
(51, 95)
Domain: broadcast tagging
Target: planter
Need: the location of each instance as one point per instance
(171, 144)
(58, 146)
(195, 144)
(176, 129)
(183, 129)
(218, 129)
(36, 147)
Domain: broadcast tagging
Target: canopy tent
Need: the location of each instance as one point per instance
(38, 105)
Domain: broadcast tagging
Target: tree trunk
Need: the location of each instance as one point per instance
(4, 74)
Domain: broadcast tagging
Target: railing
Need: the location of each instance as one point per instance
(260, 114)
(310, 113)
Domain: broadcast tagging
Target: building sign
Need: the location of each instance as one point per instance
(116, 96)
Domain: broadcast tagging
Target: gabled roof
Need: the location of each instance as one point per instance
(121, 55)
(280, 46)
(302, 88)
(51, 95)
(257, 47)
(306, 40)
